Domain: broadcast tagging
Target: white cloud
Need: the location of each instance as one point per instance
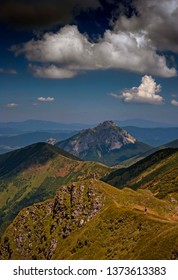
(52, 72)
(147, 92)
(174, 102)
(68, 52)
(8, 71)
(46, 99)
(11, 105)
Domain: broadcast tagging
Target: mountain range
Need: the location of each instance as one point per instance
(42, 125)
(154, 136)
(8, 143)
(17, 135)
(60, 205)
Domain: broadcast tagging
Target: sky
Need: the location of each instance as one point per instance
(88, 61)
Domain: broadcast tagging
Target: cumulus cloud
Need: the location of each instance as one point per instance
(147, 92)
(11, 105)
(46, 99)
(8, 71)
(157, 18)
(52, 72)
(68, 52)
(42, 13)
(174, 102)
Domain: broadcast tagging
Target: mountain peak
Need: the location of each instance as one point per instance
(109, 134)
(106, 143)
(106, 124)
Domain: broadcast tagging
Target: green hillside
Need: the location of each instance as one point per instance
(39, 153)
(34, 173)
(157, 172)
(93, 220)
(132, 160)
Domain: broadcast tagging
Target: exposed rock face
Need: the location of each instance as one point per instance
(106, 134)
(38, 229)
(51, 141)
(107, 143)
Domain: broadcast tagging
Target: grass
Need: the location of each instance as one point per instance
(157, 172)
(120, 230)
(25, 185)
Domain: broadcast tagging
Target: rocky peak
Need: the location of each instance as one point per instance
(106, 125)
(95, 144)
(107, 134)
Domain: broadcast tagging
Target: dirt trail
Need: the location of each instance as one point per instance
(152, 215)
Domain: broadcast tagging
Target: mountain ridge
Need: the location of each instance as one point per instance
(156, 172)
(33, 154)
(34, 173)
(92, 220)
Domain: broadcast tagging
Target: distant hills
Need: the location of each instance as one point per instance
(144, 123)
(154, 136)
(14, 135)
(34, 173)
(158, 173)
(38, 125)
(41, 125)
(9, 143)
(106, 143)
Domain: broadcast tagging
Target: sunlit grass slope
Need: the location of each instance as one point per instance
(93, 220)
(34, 173)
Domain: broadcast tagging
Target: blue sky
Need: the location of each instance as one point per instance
(95, 61)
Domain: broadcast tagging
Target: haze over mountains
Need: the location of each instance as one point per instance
(14, 135)
(154, 136)
(41, 125)
(55, 203)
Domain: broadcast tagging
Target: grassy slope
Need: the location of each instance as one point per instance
(158, 173)
(120, 230)
(132, 160)
(34, 174)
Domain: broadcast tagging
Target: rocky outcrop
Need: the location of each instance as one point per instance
(37, 230)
